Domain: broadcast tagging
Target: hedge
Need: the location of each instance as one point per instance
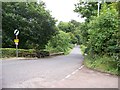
(11, 52)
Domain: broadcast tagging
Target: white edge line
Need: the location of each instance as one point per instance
(81, 67)
(73, 73)
(68, 76)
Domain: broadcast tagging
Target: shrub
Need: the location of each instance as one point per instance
(83, 48)
(102, 39)
(102, 63)
(11, 52)
(104, 34)
(59, 43)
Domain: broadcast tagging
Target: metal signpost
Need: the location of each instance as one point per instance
(99, 1)
(16, 32)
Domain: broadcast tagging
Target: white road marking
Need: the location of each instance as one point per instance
(76, 70)
(68, 76)
(81, 67)
(72, 73)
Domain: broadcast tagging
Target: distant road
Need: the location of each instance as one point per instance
(20, 73)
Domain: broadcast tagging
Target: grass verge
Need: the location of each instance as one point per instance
(100, 63)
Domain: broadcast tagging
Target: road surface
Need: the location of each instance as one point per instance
(54, 72)
(87, 78)
(18, 73)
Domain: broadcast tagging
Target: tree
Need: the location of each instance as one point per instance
(35, 24)
(104, 33)
(86, 9)
(59, 43)
(71, 27)
(75, 23)
(65, 26)
(83, 33)
(100, 36)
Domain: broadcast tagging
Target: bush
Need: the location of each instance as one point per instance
(83, 48)
(59, 43)
(104, 34)
(101, 36)
(11, 52)
(42, 54)
(102, 63)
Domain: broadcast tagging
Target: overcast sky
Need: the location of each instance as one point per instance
(62, 10)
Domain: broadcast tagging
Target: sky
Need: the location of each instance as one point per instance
(62, 10)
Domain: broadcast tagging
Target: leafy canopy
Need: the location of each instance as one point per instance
(35, 24)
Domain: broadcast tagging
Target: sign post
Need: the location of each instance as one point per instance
(16, 32)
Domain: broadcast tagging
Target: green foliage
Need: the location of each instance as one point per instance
(86, 9)
(102, 63)
(73, 38)
(71, 27)
(118, 9)
(101, 37)
(35, 24)
(82, 47)
(59, 43)
(11, 52)
(83, 31)
(66, 26)
(103, 32)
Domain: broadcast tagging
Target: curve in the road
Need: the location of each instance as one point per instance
(16, 72)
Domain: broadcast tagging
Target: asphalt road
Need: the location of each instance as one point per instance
(21, 73)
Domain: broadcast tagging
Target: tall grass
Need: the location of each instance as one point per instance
(101, 63)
